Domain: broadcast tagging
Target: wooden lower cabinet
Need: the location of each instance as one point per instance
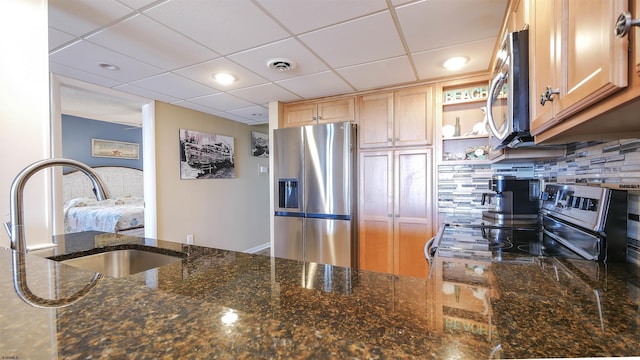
(394, 210)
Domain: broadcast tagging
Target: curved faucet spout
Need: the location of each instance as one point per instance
(15, 228)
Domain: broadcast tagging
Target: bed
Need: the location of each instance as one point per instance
(122, 213)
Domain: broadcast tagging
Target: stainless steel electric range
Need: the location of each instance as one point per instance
(575, 221)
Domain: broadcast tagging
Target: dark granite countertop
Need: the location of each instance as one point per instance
(217, 304)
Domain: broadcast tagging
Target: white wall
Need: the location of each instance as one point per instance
(229, 214)
(24, 111)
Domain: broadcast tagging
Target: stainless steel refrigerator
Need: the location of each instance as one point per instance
(314, 171)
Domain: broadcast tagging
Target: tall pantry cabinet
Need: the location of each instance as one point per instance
(395, 180)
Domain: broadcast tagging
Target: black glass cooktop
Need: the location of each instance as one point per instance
(492, 242)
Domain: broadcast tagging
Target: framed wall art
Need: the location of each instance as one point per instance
(206, 156)
(259, 144)
(114, 149)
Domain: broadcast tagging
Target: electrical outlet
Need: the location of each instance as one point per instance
(189, 239)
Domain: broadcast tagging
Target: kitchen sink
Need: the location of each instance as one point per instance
(121, 263)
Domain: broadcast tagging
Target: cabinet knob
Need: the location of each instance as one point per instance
(397, 139)
(624, 24)
(397, 215)
(547, 95)
(389, 139)
(389, 215)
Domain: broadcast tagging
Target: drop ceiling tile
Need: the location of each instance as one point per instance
(317, 85)
(74, 73)
(222, 102)
(86, 56)
(257, 59)
(79, 17)
(233, 117)
(429, 63)
(401, 2)
(304, 15)
(58, 38)
(197, 107)
(223, 26)
(132, 89)
(392, 71)
(137, 4)
(144, 39)
(434, 24)
(202, 73)
(263, 94)
(350, 43)
(255, 114)
(174, 85)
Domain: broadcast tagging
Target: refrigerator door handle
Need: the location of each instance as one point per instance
(328, 216)
(288, 213)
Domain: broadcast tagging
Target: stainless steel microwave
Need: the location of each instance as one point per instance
(508, 98)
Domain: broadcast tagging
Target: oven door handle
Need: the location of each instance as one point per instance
(569, 245)
(431, 247)
(430, 251)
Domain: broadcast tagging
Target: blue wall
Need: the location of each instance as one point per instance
(77, 134)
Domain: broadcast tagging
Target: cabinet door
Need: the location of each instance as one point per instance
(375, 228)
(413, 116)
(542, 50)
(595, 60)
(299, 114)
(635, 13)
(375, 120)
(336, 111)
(412, 210)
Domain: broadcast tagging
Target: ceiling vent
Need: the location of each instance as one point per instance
(281, 64)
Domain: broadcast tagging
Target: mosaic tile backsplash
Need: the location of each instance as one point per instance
(613, 164)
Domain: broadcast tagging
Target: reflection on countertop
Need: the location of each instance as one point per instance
(226, 304)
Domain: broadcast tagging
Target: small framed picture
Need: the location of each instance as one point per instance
(259, 144)
(114, 149)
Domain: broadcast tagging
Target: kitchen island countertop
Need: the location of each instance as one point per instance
(231, 305)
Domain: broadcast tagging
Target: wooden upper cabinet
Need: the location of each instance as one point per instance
(299, 114)
(542, 70)
(399, 118)
(309, 113)
(575, 54)
(375, 120)
(413, 116)
(635, 13)
(336, 111)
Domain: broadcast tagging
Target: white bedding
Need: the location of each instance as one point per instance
(111, 215)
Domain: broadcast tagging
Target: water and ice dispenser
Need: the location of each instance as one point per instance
(288, 197)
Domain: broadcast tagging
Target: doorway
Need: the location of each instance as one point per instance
(71, 97)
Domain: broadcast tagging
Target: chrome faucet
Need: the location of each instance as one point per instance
(14, 227)
(16, 232)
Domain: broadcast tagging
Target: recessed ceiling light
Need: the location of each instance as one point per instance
(108, 66)
(455, 63)
(224, 78)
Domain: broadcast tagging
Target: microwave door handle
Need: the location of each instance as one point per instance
(498, 79)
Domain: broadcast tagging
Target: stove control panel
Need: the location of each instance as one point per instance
(583, 205)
